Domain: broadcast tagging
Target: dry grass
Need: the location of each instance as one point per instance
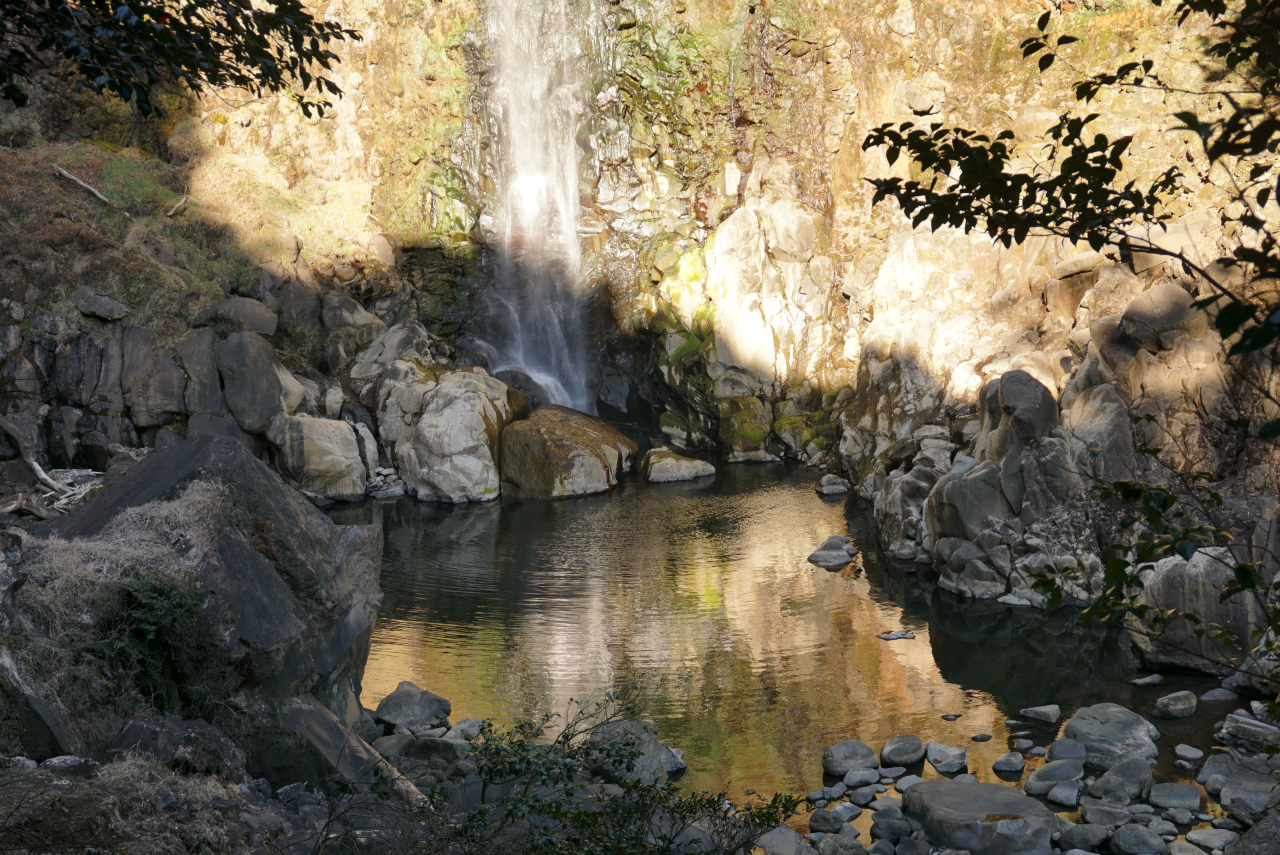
(92, 602)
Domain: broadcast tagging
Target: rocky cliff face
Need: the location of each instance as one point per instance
(760, 301)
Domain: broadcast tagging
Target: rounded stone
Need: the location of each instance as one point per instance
(840, 758)
(1011, 762)
(902, 751)
(1051, 774)
(1137, 840)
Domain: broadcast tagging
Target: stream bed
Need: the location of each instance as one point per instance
(701, 593)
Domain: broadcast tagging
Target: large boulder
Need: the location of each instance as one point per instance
(963, 499)
(1100, 419)
(983, 819)
(347, 318)
(562, 452)
(413, 708)
(849, 754)
(403, 341)
(662, 465)
(1163, 308)
(153, 384)
(241, 312)
(646, 767)
(745, 423)
(1194, 586)
(1262, 839)
(288, 598)
(1015, 410)
(255, 383)
(1110, 733)
(320, 456)
(204, 390)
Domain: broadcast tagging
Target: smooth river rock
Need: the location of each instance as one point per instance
(662, 465)
(835, 553)
(946, 759)
(561, 452)
(1110, 733)
(902, 751)
(1177, 705)
(850, 754)
(955, 816)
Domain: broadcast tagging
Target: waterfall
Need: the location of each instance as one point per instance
(534, 319)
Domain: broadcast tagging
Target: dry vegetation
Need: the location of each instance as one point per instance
(104, 615)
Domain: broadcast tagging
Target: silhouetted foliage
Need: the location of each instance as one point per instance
(130, 49)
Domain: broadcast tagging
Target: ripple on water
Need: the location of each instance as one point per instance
(702, 591)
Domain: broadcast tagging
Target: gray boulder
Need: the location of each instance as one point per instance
(1100, 419)
(1052, 774)
(902, 751)
(850, 754)
(662, 465)
(343, 315)
(1247, 787)
(319, 456)
(240, 312)
(647, 767)
(395, 343)
(414, 708)
(1131, 777)
(255, 383)
(560, 452)
(98, 306)
(1175, 796)
(783, 841)
(835, 553)
(946, 759)
(825, 822)
(963, 499)
(152, 383)
(1049, 713)
(1011, 762)
(300, 308)
(1066, 749)
(958, 815)
(1177, 705)
(1085, 836)
(1110, 733)
(1161, 309)
(1262, 839)
(204, 390)
(1136, 839)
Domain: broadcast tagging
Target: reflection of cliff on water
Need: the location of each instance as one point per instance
(701, 591)
(1024, 657)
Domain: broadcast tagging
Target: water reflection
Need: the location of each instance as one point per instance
(703, 590)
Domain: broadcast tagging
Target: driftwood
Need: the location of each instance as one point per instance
(182, 203)
(67, 175)
(64, 488)
(12, 429)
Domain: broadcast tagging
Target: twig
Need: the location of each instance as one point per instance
(181, 204)
(72, 178)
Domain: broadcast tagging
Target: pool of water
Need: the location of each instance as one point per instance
(701, 593)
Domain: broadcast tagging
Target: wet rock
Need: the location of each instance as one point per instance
(662, 465)
(981, 737)
(1137, 840)
(673, 760)
(1085, 836)
(1149, 680)
(242, 313)
(1066, 794)
(319, 456)
(832, 485)
(841, 758)
(1210, 839)
(1175, 796)
(1219, 696)
(1130, 777)
(646, 768)
(825, 821)
(956, 816)
(892, 830)
(902, 750)
(863, 776)
(1066, 749)
(1101, 813)
(255, 383)
(1011, 762)
(1049, 714)
(1262, 839)
(1051, 774)
(561, 452)
(1177, 705)
(414, 708)
(835, 553)
(1110, 733)
(946, 759)
(899, 635)
(906, 782)
(745, 424)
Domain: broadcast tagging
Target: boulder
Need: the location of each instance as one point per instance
(561, 452)
(1066, 749)
(1100, 419)
(850, 754)
(832, 485)
(783, 841)
(1131, 777)
(662, 465)
(1158, 310)
(902, 751)
(946, 759)
(647, 766)
(288, 597)
(1177, 705)
(1262, 839)
(983, 819)
(241, 313)
(1193, 586)
(1175, 796)
(745, 423)
(1011, 762)
(341, 314)
(395, 343)
(1052, 774)
(963, 499)
(1110, 733)
(300, 308)
(443, 430)
(835, 553)
(204, 390)
(255, 383)
(1136, 839)
(98, 306)
(319, 456)
(152, 383)
(1049, 713)
(40, 729)
(413, 708)
(1086, 836)
(1248, 791)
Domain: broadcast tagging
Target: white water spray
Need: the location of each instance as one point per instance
(535, 316)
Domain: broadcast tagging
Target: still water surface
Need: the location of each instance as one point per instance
(702, 592)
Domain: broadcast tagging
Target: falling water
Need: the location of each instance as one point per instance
(535, 316)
